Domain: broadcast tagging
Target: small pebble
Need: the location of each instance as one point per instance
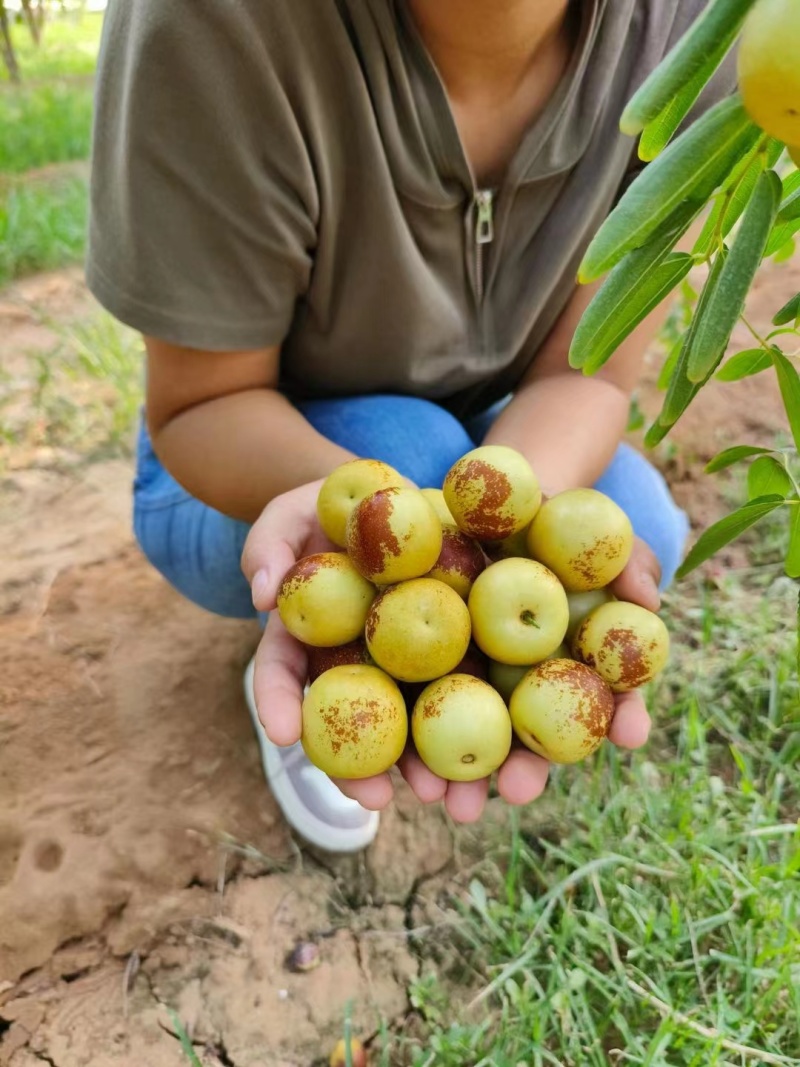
(303, 957)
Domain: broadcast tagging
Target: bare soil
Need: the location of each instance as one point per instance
(143, 864)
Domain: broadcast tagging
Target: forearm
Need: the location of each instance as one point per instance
(237, 452)
(566, 425)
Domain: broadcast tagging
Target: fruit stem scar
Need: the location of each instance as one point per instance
(468, 758)
(529, 619)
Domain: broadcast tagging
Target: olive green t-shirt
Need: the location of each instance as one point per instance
(289, 171)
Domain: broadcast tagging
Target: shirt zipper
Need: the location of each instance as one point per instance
(484, 233)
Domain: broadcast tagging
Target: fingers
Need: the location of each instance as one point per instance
(465, 801)
(522, 777)
(638, 583)
(280, 673)
(427, 786)
(286, 530)
(371, 793)
(631, 725)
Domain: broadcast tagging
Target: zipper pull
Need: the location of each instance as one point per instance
(484, 224)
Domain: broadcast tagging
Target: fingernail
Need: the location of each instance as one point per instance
(259, 587)
(652, 587)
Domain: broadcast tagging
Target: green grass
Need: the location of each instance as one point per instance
(656, 921)
(69, 48)
(42, 226)
(45, 123)
(78, 399)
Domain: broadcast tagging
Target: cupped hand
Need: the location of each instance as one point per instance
(286, 531)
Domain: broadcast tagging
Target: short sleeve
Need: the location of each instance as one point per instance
(204, 207)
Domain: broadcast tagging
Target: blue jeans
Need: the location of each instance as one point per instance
(197, 549)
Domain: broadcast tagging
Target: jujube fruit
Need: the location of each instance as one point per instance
(355, 723)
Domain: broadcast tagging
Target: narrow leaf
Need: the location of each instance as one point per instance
(767, 476)
(727, 302)
(682, 391)
(690, 169)
(658, 133)
(656, 434)
(789, 312)
(790, 208)
(789, 383)
(733, 455)
(785, 253)
(712, 33)
(622, 303)
(669, 365)
(726, 530)
(610, 300)
(783, 232)
(793, 555)
(735, 193)
(744, 365)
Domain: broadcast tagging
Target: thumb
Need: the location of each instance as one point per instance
(639, 581)
(281, 535)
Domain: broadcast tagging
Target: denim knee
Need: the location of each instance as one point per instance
(416, 436)
(640, 490)
(195, 548)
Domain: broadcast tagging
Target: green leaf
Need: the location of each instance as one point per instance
(630, 293)
(656, 434)
(711, 34)
(726, 304)
(690, 169)
(793, 555)
(784, 254)
(783, 232)
(726, 530)
(767, 476)
(635, 416)
(790, 208)
(744, 364)
(735, 193)
(669, 365)
(789, 383)
(681, 391)
(789, 312)
(658, 133)
(732, 455)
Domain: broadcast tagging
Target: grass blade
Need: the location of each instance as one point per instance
(726, 530)
(690, 169)
(716, 320)
(183, 1037)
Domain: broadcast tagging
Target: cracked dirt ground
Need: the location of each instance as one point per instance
(143, 865)
(142, 862)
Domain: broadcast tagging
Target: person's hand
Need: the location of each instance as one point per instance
(286, 531)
